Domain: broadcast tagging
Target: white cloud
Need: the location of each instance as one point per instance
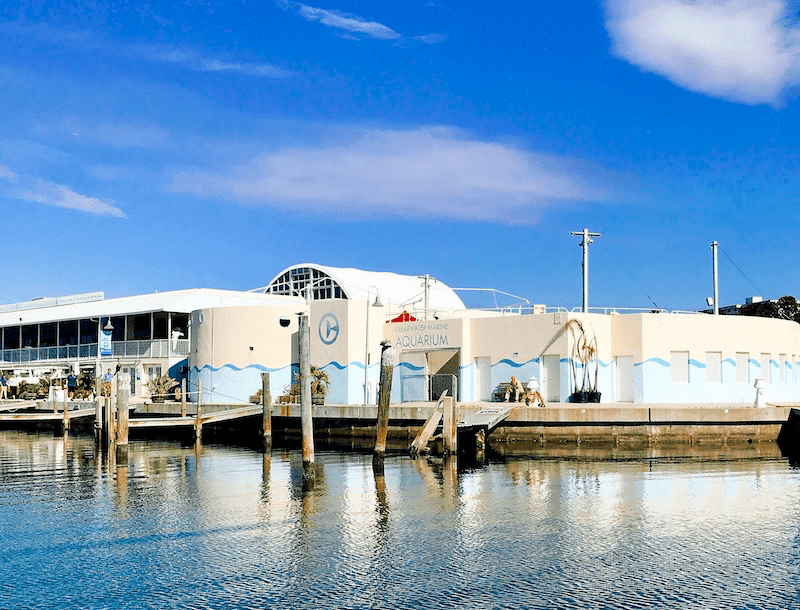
(8, 175)
(431, 38)
(356, 26)
(265, 70)
(738, 50)
(36, 190)
(433, 172)
(349, 23)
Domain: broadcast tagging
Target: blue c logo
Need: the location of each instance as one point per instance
(328, 329)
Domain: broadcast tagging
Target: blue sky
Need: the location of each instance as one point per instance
(154, 146)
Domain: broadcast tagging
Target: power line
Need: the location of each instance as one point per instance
(757, 289)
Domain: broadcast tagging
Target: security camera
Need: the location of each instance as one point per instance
(284, 321)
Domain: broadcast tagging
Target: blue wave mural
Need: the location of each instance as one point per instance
(660, 361)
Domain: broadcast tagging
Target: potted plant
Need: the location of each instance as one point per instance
(584, 350)
(160, 387)
(319, 386)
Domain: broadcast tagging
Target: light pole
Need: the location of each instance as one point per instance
(715, 273)
(377, 303)
(587, 239)
(100, 329)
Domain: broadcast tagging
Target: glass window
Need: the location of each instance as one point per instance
(47, 334)
(160, 323)
(782, 365)
(742, 367)
(679, 365)
(714, 367)
(11, 337)
(180, 321)
(118, 334)
(68, 332)
(88, 331)
(30, 335)
(139, 327)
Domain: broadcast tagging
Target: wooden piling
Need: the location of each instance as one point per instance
(384, 397)
(98, 420)
(306, 414)
(65, 425)
(123, 390)
(449, 426)
(198, 419)
(420, 444)
(183, 397)
(266, 418)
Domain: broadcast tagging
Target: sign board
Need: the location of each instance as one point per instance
(426, 335)
(105, 343)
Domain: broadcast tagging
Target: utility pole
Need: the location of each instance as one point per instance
(715, 272)
(426, 285)
(587, 239)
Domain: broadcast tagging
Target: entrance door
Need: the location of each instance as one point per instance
(551, 379)
(483, 380)
(131, 372)
(444, 367)
(413, 377)
(624, 366)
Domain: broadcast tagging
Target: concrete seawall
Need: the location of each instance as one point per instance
(606, 423)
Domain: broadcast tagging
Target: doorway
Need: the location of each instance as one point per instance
(624, 366)
(551, 378)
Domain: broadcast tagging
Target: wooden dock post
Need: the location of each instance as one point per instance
(98, 420)
(198, 419)
(266, 417)
(420, 444)
(384, 397)
(123, 388)
(306, 414)
(449, 426)
(65, 425)
(183, 397)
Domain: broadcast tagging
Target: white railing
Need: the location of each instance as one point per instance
(158, 348)
(615, 310)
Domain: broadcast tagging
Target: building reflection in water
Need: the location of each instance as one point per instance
(220, 518)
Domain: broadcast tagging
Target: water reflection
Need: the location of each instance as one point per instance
(210, 526)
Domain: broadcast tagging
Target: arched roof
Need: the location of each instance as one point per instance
(347, 283)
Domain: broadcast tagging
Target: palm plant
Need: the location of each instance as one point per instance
(160, 387)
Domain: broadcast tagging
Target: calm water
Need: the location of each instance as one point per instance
(222, 527)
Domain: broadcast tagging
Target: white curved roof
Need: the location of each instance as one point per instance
(176, 301)
(397, 289)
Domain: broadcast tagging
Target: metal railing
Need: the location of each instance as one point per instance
(620, 310)
(157, 348)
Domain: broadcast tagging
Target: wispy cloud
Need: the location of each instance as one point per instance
(265, 70)
(738, 50)
(119, 135)
(348, 23)
(353, 24)
(36, 190)
(432, 172)
(77, 41)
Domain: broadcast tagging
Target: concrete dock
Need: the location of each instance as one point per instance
(601, 423)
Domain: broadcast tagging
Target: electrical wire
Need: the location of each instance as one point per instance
(757, 289)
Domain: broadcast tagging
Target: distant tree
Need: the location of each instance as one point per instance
(786, 308)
